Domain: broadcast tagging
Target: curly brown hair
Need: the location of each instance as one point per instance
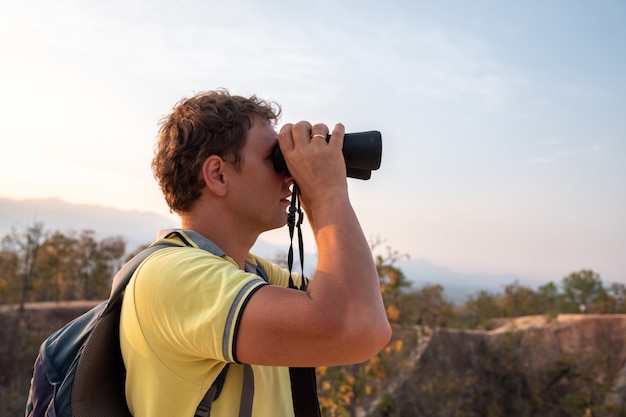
(209, 123)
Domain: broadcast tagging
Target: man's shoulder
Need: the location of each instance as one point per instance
(188, 238)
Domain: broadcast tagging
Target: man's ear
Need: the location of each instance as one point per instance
(213, 174)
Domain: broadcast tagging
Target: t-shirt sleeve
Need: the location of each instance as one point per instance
(278, 275)
(190, 302)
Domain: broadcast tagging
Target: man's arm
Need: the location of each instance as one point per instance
(341, 318)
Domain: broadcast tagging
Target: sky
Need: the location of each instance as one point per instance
(503, 123)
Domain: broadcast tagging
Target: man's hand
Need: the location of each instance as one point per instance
(317, 166)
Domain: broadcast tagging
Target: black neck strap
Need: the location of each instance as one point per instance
(294, 221)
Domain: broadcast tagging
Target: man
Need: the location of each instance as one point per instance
(189, 310)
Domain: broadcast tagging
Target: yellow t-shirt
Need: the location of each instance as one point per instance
(178, 329)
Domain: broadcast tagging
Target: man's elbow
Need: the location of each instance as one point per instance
(381, 337)
(373, 340)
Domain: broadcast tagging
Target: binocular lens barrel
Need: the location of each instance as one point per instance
(362, 152)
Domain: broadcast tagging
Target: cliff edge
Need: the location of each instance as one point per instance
(526, 366)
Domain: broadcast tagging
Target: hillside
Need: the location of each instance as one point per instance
(527, 366)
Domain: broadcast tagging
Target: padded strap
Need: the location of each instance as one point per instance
(247, 392)
(121, 279)
(204, 408)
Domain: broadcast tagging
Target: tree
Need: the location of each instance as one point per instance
(392, 280)
(9, 270)
(21, 256)
(36, 265)
(427, 306)
(482, 307)
(618, 293)
(56, 267)
(97, 264)
(582, 288)
(519, 300)
(550, 298)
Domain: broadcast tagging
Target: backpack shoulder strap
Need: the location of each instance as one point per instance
(121, 279)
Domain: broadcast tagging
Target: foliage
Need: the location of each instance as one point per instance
(582, 288)
(426, 306)
(36, 265)
(580, 292)
(482, 307)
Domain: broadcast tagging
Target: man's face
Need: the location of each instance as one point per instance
(260, 193)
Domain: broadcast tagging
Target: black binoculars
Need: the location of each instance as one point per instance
(362, 152)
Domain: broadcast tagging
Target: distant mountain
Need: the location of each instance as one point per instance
(458, 286)
(139, 228)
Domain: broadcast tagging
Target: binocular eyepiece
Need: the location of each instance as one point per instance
(362, 152)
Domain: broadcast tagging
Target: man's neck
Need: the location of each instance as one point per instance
(235, 243)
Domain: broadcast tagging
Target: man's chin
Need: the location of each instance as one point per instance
(277, 225)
